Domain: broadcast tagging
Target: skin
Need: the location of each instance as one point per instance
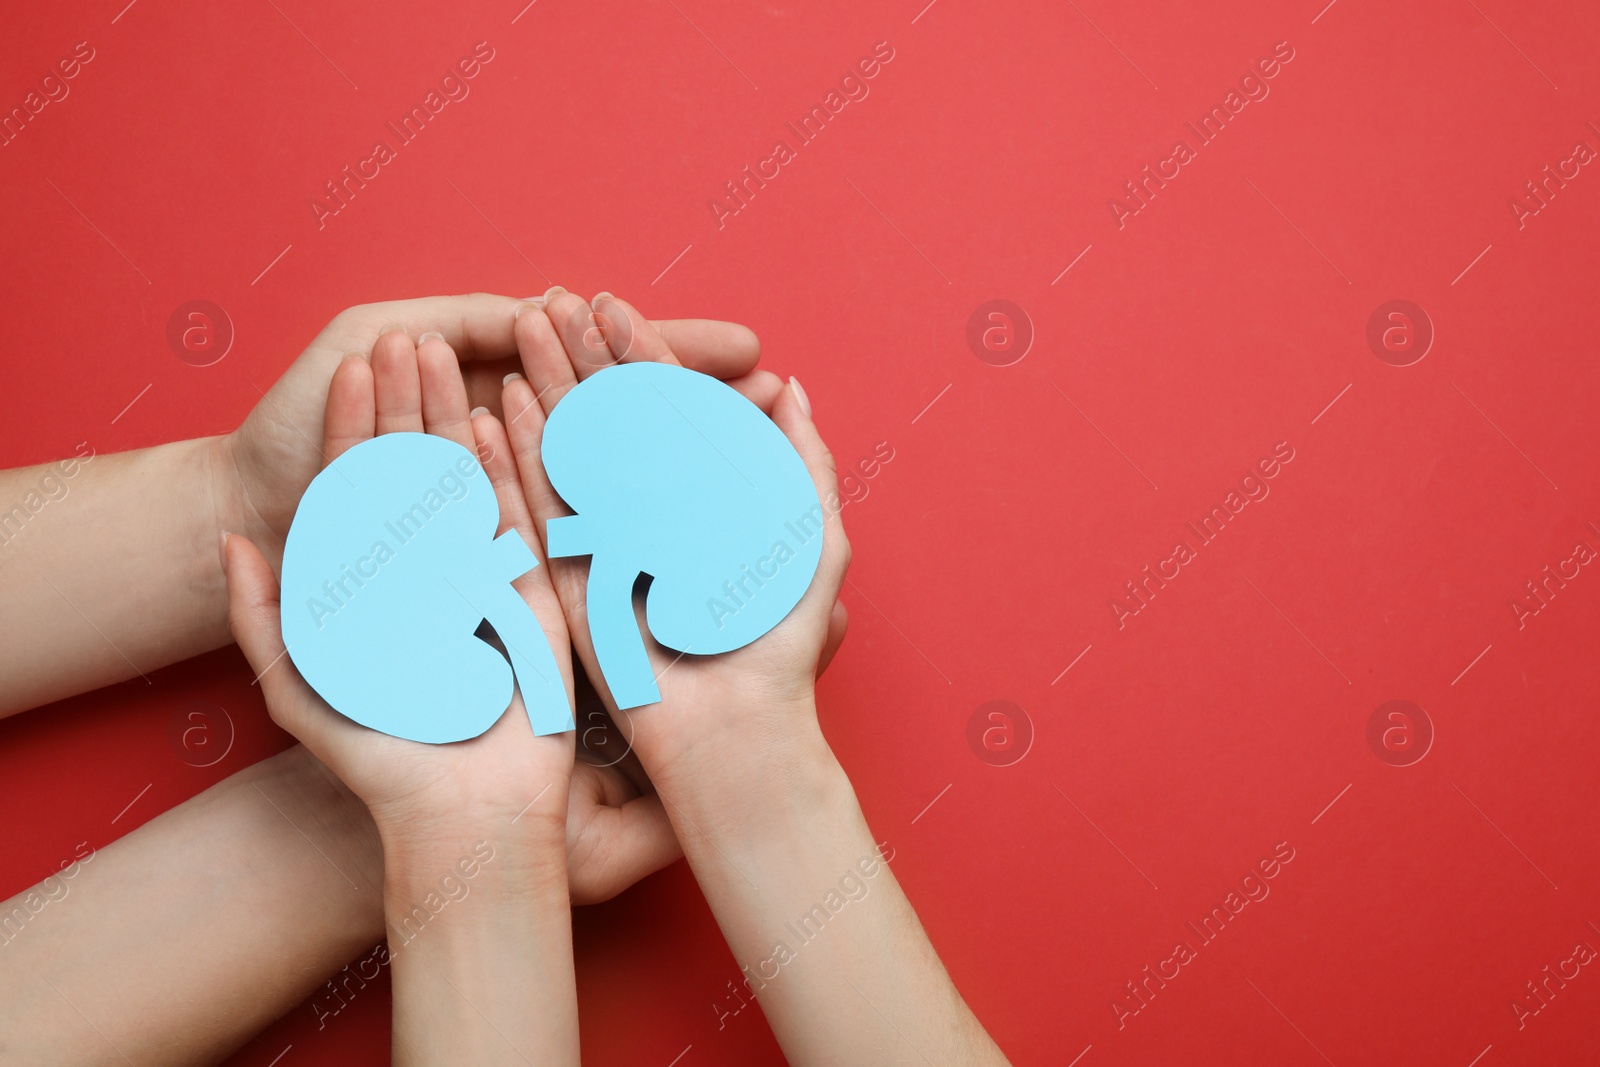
(474, 873)
(766, 815)
(138, 960)
(133, 543)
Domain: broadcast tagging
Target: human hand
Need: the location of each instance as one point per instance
(764, 811)
(261, 469)
(614, 827)
(404, 782)
(486, 816)
(712, 709)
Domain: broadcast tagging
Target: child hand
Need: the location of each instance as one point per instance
(404, 782)
(616, 831)
(764, 811)
(713, 710)
(485, 816)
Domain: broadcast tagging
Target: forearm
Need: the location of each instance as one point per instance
(110, 571)
(480, 944)
(182, 940)
(824, 936)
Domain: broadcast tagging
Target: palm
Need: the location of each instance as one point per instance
(698, 691)
(611, 816)
(504, 768)
(407, 388)
(698, 694)
(276, 453)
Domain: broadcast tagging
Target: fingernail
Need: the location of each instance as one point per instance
(552, 291)
(222, 549)
(430, 335)
(536, 304)
(477, 411)
(594, 301)
(800, 395)
(512, 377)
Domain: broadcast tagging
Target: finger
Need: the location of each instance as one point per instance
(534, 587)
(398, 384)
(525, 431)
(618, 846)
(444, 394)
(350, 413)
(568, 577)
(498, 459)
(581, 336)
(761, 387)
(792, 416)
(254, 615)
(722, 349)
(838, 624)
(544, 360)
(478, 326)
(629, 335)
(495, 453)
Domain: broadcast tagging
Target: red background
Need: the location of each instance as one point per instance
(1222, 319)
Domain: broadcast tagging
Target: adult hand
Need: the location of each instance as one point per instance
(265, 465)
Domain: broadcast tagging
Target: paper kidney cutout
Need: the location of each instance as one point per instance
(675, 475)
(390, 567)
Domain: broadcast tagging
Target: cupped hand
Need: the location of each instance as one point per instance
(712, 708)
(262, 468)
(614, 828)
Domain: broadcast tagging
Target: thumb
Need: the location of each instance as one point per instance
(838, 623)
(254, 614)
(793, 416)
(618, 844)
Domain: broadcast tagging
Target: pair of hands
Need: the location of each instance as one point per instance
(518, 359)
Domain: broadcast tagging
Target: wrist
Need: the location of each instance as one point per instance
(311, 798)
(484, 909)
(737, 746)
(231, 507)
(423, 842)
(319, 849)
(769, 789)
(525, 802)
(426, 875)
(196, 465)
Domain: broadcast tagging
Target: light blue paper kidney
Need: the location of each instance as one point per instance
(390, 567)
(675, 475)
